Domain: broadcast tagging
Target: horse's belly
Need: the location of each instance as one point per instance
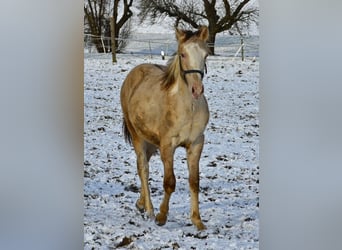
(146, 125)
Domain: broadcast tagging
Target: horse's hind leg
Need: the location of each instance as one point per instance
(193, 156)
(144, 152)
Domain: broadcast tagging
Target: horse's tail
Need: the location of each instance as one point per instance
(127, 134)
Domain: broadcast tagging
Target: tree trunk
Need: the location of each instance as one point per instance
(117, 36)
(112, 29)
(116, 29)
(211, 42)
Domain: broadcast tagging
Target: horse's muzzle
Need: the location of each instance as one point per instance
(197, 91)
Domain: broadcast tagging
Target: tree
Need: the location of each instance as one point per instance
(95, 15)
(98, 14)
(117, 25)
(219, 15)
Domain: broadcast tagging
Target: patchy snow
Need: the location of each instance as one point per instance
(229, 170)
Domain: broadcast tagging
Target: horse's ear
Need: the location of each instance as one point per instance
(203, 33)
(180, 35)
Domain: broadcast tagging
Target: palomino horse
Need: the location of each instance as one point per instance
(164, 108)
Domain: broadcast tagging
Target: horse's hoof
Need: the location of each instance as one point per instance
(140, 208)
(161, 219)
(159, 223)
(150, 215)
(200, 226)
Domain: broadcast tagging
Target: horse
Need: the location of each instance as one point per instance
(164, 108)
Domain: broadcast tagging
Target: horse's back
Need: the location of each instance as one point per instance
(142, 76)
(146, 70)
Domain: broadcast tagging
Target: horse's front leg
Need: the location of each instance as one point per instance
(169, 183)
(194, 151)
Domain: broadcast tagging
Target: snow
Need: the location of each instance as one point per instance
(229, 170)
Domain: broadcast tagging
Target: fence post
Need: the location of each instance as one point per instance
(149, 44)
(167, 47)
(104, 48)
(112, 38)
(242, 50)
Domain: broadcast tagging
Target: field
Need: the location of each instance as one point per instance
(229, 185)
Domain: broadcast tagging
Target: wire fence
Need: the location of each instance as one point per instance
(155, 44)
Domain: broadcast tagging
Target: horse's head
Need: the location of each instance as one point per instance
(192, 52)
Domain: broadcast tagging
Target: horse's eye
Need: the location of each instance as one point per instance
(182, 55)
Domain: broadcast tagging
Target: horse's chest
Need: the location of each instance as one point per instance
(189, 126)
(195, 127)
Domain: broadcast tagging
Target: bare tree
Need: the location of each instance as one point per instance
(97, 15)
(123, 25)
(219, 15)
(95, 12)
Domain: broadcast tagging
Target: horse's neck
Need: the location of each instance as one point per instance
(179, 87)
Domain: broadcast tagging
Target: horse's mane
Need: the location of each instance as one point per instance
(171, 72)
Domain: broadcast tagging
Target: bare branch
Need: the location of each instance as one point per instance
(227, 8)
(97, 17)
(194, 14)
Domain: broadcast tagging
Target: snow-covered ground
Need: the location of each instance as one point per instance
(229, 185)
